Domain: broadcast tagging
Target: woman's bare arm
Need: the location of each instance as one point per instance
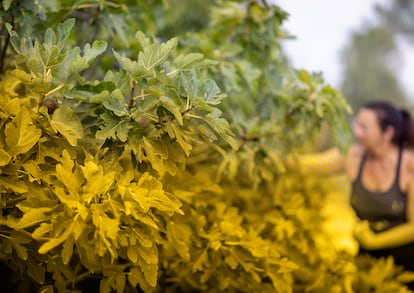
(324, 163)
(397, 236)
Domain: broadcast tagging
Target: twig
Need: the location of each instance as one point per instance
(4, 50)
(249, 138)
(131, 94)
(3, 53)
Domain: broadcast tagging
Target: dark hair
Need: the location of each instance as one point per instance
(400, 120)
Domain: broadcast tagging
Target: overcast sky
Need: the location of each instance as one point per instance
(322, 29)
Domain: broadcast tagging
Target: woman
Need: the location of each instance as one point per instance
(381, 169)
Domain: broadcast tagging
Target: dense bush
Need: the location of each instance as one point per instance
(137, 155)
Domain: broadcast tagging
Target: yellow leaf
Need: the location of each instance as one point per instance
(20, 250)
(69, 199)
(21, 135)
(108, 227)
(136, 277)
(33, 171)
(78, 226)
(66, 173)
(10, 85)
(67, 250)
(132, 253)
(199, 264)
(149, 254)
(43, 229)
(150, 272)
(165, 202)
(139, 195)
(98, 183)
(12, 107)
(13, 183)
(33, 217)
(53, 242)
(4, 158)
(179, 236)
(137, 214)
(231, 261)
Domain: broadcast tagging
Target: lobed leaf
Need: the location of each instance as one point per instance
(116, 103)
(169, 104)
(154, 54)
(113, 127)
(21, 134)
(134, 69)
(67, 123)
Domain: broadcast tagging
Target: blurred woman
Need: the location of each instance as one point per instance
(381, 168)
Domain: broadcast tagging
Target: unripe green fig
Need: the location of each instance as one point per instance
(142, 121)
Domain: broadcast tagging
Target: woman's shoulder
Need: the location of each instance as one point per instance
(355, 151)
(408, 160)
(353, 160)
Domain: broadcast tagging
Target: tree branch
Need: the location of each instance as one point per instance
(131, 95)
(3, 53)
(4, 49)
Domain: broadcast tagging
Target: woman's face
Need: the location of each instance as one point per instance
(367, 130)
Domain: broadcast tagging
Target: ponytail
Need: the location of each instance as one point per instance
(407, 131)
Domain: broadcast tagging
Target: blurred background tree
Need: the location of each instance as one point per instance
(370, 65)
(371, 59)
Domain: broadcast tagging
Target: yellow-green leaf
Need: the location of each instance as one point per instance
(172, 107)
(68, 124)
(98, 183)
(156, 152)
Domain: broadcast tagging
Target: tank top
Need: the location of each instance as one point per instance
(383, 210)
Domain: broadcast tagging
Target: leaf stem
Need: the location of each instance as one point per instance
(5, 236)
(186, 110)
(141, 96)
(83, 276)
(93, 5)
(194, 116)
(54, 90)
